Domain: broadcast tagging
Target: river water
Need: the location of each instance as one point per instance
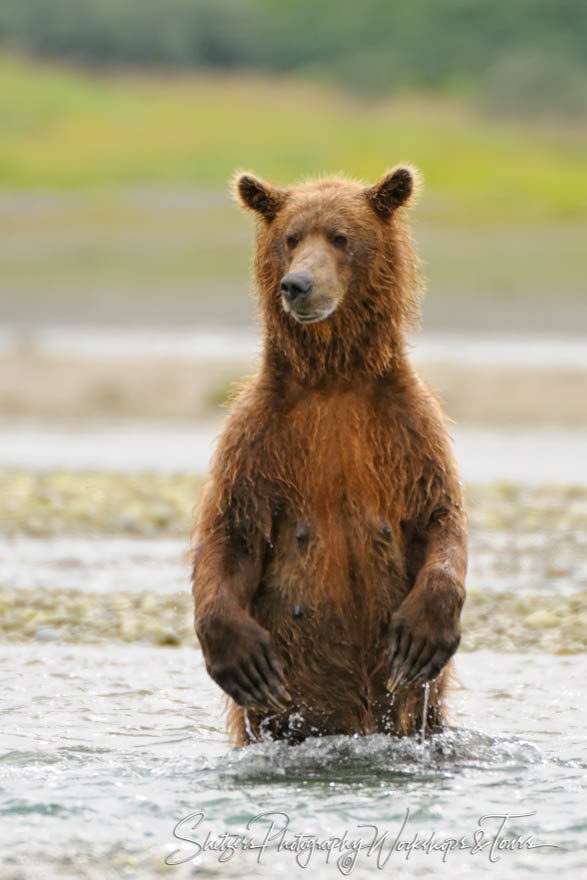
(534, 456)
(218, 344)
(107, 744)
(106, 749)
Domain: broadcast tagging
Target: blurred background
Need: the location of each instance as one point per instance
(127, 314)
(127, 318)
(122, 254)
(122, 123)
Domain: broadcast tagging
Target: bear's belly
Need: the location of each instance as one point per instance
(327, 596)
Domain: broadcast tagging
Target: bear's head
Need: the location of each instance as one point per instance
(336, 270)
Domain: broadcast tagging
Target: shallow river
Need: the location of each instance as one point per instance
(124, 743)
(534, 456)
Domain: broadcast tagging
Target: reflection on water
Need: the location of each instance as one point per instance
(123, 743)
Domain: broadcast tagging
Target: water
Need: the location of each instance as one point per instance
(531, 455)
(122, 743)
(97, 565)
(220, 344)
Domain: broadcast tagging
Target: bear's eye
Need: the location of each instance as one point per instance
(340, 241)
(292, 241)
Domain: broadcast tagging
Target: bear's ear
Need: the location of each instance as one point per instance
(257, 195)
(395, 189)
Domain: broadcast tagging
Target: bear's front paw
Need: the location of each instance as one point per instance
(240, 659)
(425, 631)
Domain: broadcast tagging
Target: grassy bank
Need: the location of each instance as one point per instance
(65, 129)
(114, 205)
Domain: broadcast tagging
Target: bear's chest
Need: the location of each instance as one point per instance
(338, 529)
(342, 459)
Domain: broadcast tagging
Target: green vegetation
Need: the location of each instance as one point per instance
(527, 56)
(117, 184)
(64, 129)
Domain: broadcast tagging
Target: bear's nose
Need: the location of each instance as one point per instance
(295, 287)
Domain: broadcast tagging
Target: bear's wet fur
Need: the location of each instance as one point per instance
(330, 543)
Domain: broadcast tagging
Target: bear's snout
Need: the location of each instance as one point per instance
(295, 288)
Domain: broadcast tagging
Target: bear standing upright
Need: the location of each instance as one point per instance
(330, 551)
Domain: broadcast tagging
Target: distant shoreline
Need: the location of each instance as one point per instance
(183, 376)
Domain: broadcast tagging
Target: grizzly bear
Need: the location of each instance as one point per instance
(330, 546)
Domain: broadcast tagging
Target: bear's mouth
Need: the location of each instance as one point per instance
(311, 317)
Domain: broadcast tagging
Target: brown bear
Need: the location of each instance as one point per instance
(330, 546)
